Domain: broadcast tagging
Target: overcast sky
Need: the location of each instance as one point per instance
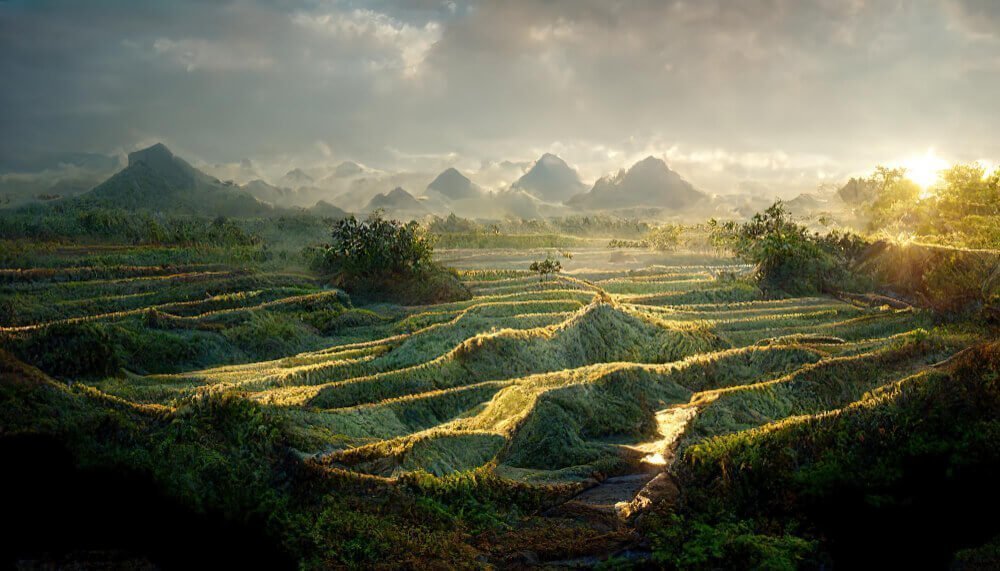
(752, 94)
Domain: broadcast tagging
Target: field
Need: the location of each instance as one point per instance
(595, 390)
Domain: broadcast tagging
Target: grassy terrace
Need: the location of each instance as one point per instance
(502, 412)
(549, 380)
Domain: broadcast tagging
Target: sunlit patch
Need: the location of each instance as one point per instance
(654, 459)
(925, 170)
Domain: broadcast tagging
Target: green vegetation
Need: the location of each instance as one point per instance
(963, 209)
(788, 258)
(379, 258)
(429, 417)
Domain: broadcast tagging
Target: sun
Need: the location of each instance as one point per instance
(925, 170)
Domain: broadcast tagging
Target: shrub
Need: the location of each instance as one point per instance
(376, 247)
(665, 238)
(788, 257)
(546, 267)
(71, 350)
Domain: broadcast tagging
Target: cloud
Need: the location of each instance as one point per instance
(199, 54)
(387, 43)
(778, 92)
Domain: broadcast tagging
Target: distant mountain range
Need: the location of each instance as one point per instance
(156, 180)
(648, 183)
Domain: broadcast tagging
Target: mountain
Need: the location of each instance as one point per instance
(649, 182)
(156, 180)
(397, 204)
(806, 204)
(324, 209)
(296, 178)
(263, 191)
(348, 169)
(454, 185)
(550, 179)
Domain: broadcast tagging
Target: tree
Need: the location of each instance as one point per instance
(377, 247)
(787, 256)
(546, 267)
(893, 205)
(665, 238)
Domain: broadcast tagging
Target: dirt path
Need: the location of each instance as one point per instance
(625, 496)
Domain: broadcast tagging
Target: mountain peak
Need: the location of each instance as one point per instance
(550, 179)
(650, 161)
(649, 183)
(348, 168)
(454, 185)
(152, 155)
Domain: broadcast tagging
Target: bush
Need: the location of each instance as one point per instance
(72, 350)
(788, 257)
(376, 247)
(679, 543)
(546, 267)
(665, 238)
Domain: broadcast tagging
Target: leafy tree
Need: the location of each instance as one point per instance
(377, 247)
(665, 238)
(546, 267)
(787, 256)
(894, 200)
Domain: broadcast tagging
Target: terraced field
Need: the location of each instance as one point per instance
(548, 381)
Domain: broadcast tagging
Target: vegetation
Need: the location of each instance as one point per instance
(359, 429)
(788, 258)
(546, 267)
(963, 209)
(379, 258)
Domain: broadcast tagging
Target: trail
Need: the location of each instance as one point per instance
(626, 496)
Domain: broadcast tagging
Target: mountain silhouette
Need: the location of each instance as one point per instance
(648, 183)
(157, 180)
(454, 185)
(550, 179)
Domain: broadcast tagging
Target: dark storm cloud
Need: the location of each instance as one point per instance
(781, 91)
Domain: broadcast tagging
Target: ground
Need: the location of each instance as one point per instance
(587, 387)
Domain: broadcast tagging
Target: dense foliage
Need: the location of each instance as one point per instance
(963, 209)
(788, 257)
(377, 247)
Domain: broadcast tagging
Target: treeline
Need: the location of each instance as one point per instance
(68, 222)
(585, 226)
(790, 259)
(963, 209)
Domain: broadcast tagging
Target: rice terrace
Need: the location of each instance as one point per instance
(367, 350)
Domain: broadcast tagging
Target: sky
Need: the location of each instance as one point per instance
(761, 96)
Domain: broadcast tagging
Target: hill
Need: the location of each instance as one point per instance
(157, 180)
(296, 178)
(262, 190)
(348, 169)
(550, 179)
(649, 182)
(453, 185)
(324, 209)
(397, 203)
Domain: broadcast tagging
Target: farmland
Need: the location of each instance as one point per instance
(588, 404)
